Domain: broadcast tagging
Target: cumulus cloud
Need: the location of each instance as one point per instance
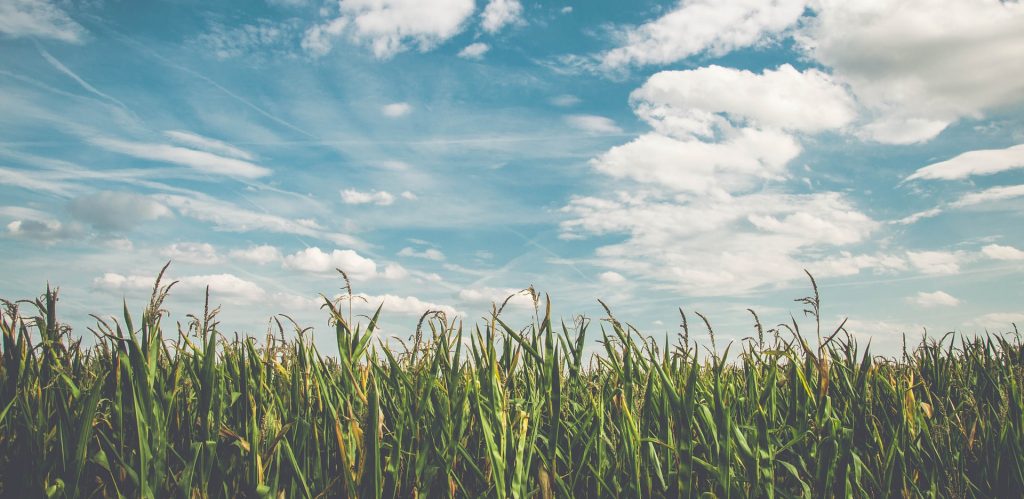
(934, 299)
(429, 253)
(718, 246)
(316, 260)
(396, 109)
(394, 271)
(39, 19)
(981, 162)
(517, 298)
(45, 230)
(998, 321)
(721, 130)
(695, 102)
(379, 198)
(474, 51)
(403, 305)
(198, 253)
(501, 13)
(201, 161)
(1000, 252)
(222, 286)
(705, 219)
(920, 65)
(693, 27)
(116, 211)
(260, 255)
(699, 167)
(611, 277)
(388, 27)
(593, 124)
(936, 262)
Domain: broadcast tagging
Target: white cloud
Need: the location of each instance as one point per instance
(402, 305)
(391, 26)
(222, 286)
(919, 65)
(396, 109)
(723, 130)
(318, 261)
(198, 253)
(39, 19)
(429, 253)
(409, 195)
(46, 230)
(121, 244)
(394, 271)
(116, 282)
(501, 13)
(261, 38)
(201, 161)
(398, 166)
(698, 26)
(1000, 252)
(986, 196)
(696, 102)
(486, 296)
(989, 195)
(929, 213)
(611, 277)
(318, 40)
(706, 220)
(260, 255)
(566, 10)
(593, 124)
(379, 198)
(981, 162)
(229, 217)
(207, 144)
(116, 211)
(701, 167)
(936, 262)
(474, 51)
(934, 299)
(847, 264)
(998, 321)
(565, 100)
(33, 181)
(708, 246)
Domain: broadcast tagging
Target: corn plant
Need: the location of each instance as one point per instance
(495, 410)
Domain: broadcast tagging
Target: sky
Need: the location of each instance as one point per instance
(655, 155)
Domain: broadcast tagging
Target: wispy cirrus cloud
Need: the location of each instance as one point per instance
(39, 18)
(971, 163)
(201, 161)
(227, 216)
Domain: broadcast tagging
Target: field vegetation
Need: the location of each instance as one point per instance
(496, 410)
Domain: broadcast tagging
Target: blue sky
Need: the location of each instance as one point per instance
(445, 153)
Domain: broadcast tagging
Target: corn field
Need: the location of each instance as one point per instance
(494, 410)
